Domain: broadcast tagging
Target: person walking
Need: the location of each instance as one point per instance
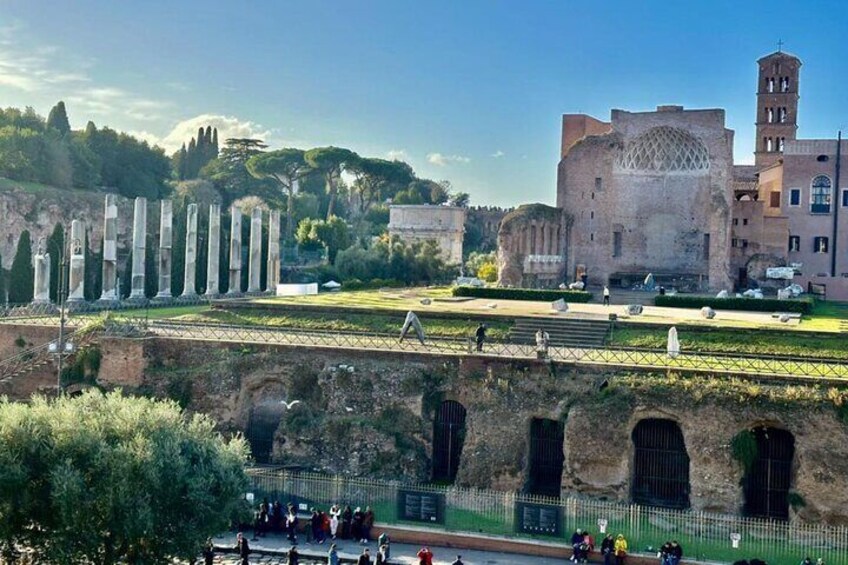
(543, 339)
(291, 525)
(606, 295)
(620, 549)
(365, 558)
(367, 524)
(458, 560)
(208, 552)
(383, 543)
(480, 335)
(333, 555)
(242, 549)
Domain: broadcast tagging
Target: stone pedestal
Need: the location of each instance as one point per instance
(255, 257)
(110, 249)
(76, 274)
(213, 251)
(235, 251)
(273, 251)
(139, 248)
(190, 252)
(41, 282)
(166, 244)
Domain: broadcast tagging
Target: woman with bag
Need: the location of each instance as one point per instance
(620, 549)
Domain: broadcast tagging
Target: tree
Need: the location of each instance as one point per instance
(287, 167)
(379, 179)
(58, 119)
(230, 175)
(109, 478)
(488, 272)
(332, 234)
(461, 199)
(55, 247)
(21, 275)
(330, 162)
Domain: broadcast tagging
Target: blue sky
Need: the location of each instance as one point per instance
(465, 90)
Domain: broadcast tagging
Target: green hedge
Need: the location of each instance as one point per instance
(523, 294)
(373, 284)
(803, 306)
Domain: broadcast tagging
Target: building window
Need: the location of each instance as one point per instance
(735, 221)
(592, 215)
(844, 198)
(819, 245)
(774, 200)
(744, 243)
(770, 84)
(734, 242)
(770, 115)
(744, 221)
(769, 144)
(781, 114)
(598, 184)
(593, 196)
(794, 196)
(591, 237)
(820, 195)
(780, 143)
(706, 254)
(616, 244)
(784, 84)
(794, 243)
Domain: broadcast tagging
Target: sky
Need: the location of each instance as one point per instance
(469, 91)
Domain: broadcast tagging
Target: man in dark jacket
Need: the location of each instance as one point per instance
(347, 519)
(676, 553)
(242, 549)
(293, 556)
(365, 558)
(607, 547)
(480, 334)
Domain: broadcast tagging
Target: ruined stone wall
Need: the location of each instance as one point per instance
(371, 414)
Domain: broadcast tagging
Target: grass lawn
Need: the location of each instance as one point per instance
(343, 322)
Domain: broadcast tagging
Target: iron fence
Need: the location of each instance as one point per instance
(137, 323)
(703, 535)
(723, 363)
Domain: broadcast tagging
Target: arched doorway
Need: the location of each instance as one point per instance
(766, 483)
(546, 457)
(261, 426)
(660, 465)
(448, 437)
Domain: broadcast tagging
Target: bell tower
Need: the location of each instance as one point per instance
(777, 106)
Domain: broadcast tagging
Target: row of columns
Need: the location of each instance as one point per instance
(166, 241)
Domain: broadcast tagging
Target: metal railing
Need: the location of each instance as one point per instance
(703, 535)
(774, 366)
(719, 363)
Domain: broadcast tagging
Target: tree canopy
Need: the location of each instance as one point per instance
(287, 167)
(108, 478)
(379, 179)
(330, 162)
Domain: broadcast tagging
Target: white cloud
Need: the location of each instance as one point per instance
(228, 126)
(150, 138)
(442, 160)
(498, 154)
(397, 155)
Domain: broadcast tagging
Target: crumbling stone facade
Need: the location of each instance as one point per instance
(531, 247)
(650, 195)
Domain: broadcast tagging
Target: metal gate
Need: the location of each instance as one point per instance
(767, 482)
(261, 427)
(448, 436)
(546, 457)
(660, 465)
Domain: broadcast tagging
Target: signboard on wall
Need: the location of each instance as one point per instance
(542, 519)
(419, 506)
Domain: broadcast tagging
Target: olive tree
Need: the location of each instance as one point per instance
(104, 478)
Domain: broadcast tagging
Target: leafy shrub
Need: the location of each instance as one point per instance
(803, 306)
(523, 294)
(743, 448)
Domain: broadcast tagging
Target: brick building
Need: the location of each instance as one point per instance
(658, 192)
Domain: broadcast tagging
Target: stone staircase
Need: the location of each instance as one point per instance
(564, 332)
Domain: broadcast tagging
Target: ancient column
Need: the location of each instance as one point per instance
(76, 274)
(166, 244)
(190, 251)
(139, 247)
(254, 265)
(110, 249)
(213, 250)
(273, 251)
(235, 251)
(41, 282)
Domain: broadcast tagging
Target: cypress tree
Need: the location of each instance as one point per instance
(21, 276)
(178, 247)
(191, 167)
(58, 119)
(93, 272)
(215, 143)
(151, 279)
(126, 276)
(55, 246)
